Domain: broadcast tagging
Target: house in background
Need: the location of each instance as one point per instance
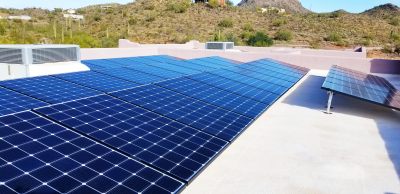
(21, 17)
(71, 11)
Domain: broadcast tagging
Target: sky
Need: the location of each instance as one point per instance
(354, 6)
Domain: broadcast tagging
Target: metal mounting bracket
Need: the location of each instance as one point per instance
(328, 110)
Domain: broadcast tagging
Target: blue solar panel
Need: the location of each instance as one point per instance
(166, 144)
(130, 75)
(205, 63)
(216, 58)
(49, 89)
(122, 61)
(156, 71)
(219, 62)
(191, 65)
(276, 86)
(175, 68)
(203, 116)
(96, 81)
(102, 63)
(279, 66)
(12, 102)
(265, 74)
(39, 156)
(92, 67)
(235, 87)
(141, 60)
(168, 57)
(217, 97)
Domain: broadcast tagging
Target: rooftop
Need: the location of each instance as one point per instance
(292, 147)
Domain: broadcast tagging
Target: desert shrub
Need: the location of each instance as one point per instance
(394, 36)
(335, 37)
(340, 43)
(280, 22)
(229, 3)
(366, 42)
(213, 3)
(18, 21)
(151, 17)
(248, 27)
(97, 18)
(260, 40)
(230, 37)
(2, 29)
(81, 11)
(178, 7)
(227, 23)
(369, 36)
(109, 10)
(132, 21)
(58, 10)
(149, 7)
(258, 9)
(245, 35)
(284, 35)
(335, 15)
(394, 22)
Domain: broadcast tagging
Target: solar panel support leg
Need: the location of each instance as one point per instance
(328, 110)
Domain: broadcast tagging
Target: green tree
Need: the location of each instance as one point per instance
(260, 40)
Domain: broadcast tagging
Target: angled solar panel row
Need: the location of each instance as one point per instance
(164, 73)
(96, 81)
(175, 68)
(211, 119)
(12, 102)
(40, 156)
(205, 63)
(161, 142)
(219, 60)
(190, 65)
(215, 96)
(130, 75)
(361, 85)
(49, 89)
(102, 63)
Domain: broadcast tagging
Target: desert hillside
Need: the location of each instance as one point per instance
(178, 21)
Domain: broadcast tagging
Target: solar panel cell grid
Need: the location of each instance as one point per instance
(235, 87)
(122, 61)
(258, 72)
(156, 71)
(43, 157)
(96, 81)
(175, 68)
(277, 69)
(49, 89)
(102, 63)
(157, 140)
(130, 75)
(223, 62)
(205, 63)
(12, 102)
(211, 119)
(365, 86)
(276, 86)
(190, 65)
(217, 97)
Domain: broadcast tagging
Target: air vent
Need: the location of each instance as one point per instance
(52, 55)
(219, 45)
(11, 56)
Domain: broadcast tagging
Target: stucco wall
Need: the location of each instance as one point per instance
(103, 53)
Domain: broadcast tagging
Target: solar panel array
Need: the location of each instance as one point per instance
(363, 86)
(175, 148)
(172, 116)
(40, 156)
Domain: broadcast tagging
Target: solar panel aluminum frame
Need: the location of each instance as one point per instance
(331, 92)
(192, 178)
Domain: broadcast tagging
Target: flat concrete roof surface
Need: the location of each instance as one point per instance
(294, 147)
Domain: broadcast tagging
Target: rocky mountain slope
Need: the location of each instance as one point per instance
(291, 6)
(386, 9)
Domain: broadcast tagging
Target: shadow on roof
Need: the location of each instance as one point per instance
(309, 94)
